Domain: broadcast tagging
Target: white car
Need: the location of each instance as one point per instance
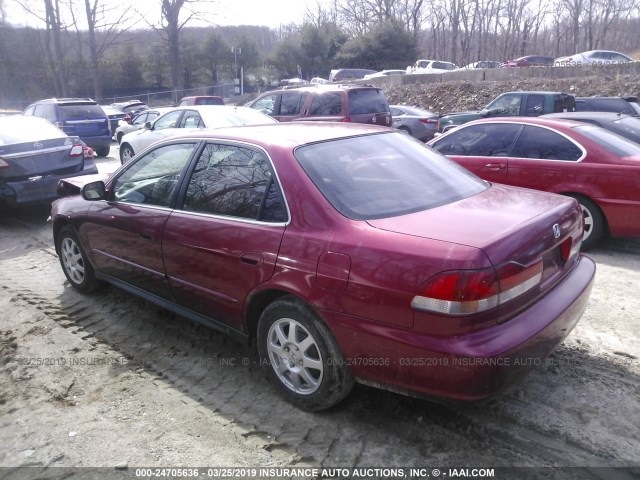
(592, 57)
(431, 66)
(384, 73)
(185, 119)
(138, 122)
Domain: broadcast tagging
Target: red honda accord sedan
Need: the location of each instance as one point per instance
(595, 166)
(346, 252)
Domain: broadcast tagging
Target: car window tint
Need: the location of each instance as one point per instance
(326, 104)
(81, 112)
(486, 140)
(191, 119)
(534, 105)
(538, 142)
(266, 104)
(291, 103)
(140, 119)
(153, 179)
(367, 101)
(234, 181)
(396, 112)
(609, 140)
(169, 120)
(384, 175)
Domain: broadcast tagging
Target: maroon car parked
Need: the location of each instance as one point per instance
(347, 252)
(593, 165)
(530, 61)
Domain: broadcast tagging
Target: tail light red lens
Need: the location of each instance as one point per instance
(466, 292)
(127, 118)
(346, 120)
(76, 150)
(429, 121)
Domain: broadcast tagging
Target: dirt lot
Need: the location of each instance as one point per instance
(108, 380)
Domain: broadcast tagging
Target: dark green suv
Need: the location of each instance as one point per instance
(513, 104)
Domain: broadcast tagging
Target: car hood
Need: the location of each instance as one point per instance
(506, 222)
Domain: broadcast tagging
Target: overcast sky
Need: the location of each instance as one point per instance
(271, 13)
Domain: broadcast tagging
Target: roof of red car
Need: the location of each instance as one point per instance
(289, 133)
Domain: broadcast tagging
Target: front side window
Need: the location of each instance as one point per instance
(486, 140)
(266, 104)
(326, 104)
(538, 142)
(291, 103)
(140, 119)
(170, 120)
(508, 104)
(153, 179)
(235, 181)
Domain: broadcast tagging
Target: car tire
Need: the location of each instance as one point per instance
(301, 357)
(103, 151)
(126, 153)
(75, 264)
(594, 222)
(406, 130)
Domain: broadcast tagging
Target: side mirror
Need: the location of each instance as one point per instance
(94, 191)
(147, 125)
(484, 113)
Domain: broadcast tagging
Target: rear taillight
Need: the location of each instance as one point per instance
(429, 121)
(127, 118)
(466, 292)
(3, 164)
(76, 150)
(345, 120)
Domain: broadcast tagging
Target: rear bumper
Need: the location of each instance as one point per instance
(97, 142)
(41, 189)
(470, 366)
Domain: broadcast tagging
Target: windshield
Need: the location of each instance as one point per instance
(609, 140)
(384, 175)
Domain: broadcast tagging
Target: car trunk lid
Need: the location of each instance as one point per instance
(47, 157)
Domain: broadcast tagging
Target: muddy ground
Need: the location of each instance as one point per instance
(108, 380)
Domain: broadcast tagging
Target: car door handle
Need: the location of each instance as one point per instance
(251, 258)
(495, 166)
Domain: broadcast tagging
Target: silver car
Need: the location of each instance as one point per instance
(417, 122)
(34, 156)
(138, 122)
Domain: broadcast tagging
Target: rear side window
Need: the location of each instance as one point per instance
(489, 140)
(367, 101)
(234, 181)
(81, 112)
(326, 104)
(537, 142)
(612, 142)
(384, 175)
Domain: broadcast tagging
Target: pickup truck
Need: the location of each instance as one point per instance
(511, 104)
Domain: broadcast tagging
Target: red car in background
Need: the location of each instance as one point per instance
(595, 166)
(347, 252)
(530, 61)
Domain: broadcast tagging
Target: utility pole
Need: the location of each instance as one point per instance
(236, 81)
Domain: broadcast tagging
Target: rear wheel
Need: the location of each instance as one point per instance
(301, 357)
(103, 151)
(126, 153)
(594, 222)
(405, 130)
(75, 264)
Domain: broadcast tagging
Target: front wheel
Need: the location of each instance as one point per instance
(103, 151)
(301, 357)
(126, 153)
(75, 264)
(594, 222)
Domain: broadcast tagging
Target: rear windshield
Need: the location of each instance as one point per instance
(609, 140)
(209, 101)
(384, 175)
(19, 129)
(369, 100)
(81, 112)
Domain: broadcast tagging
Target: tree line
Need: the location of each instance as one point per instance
(91, 48)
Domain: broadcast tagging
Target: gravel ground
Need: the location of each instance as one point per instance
(123, 384)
